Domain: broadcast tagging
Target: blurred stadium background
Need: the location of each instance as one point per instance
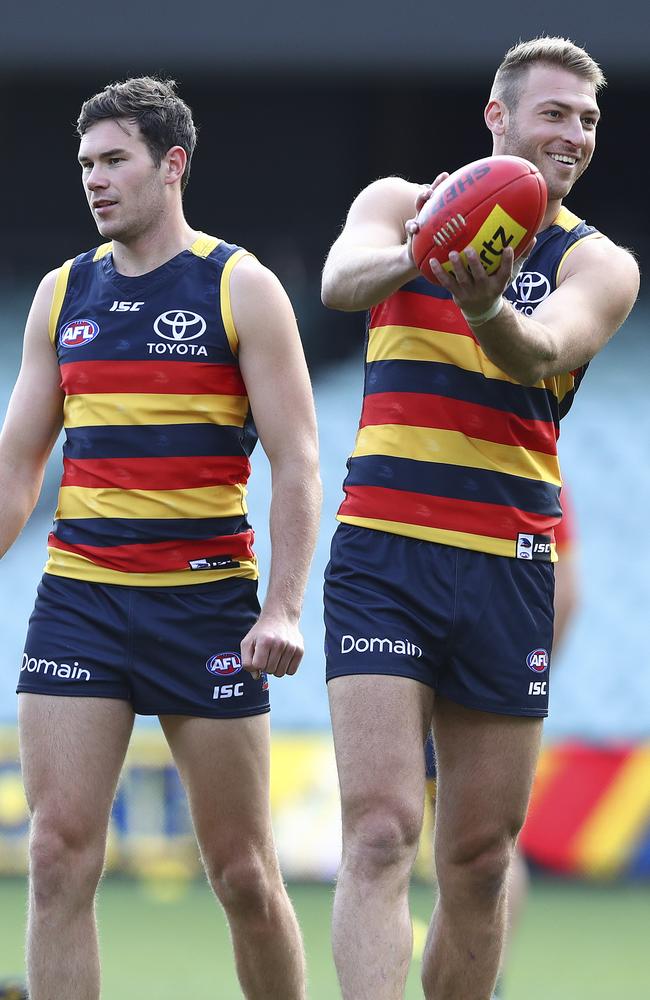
(299, 106)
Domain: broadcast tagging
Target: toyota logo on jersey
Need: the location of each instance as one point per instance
(531, 286)
(179, 324)
(78, 332)
(224, 664)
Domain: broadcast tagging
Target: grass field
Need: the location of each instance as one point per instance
(165, 941)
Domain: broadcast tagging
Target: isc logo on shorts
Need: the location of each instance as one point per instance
(224, 664)
(78, 332)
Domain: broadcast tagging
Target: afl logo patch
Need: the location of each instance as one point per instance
(224, 664)
(179, 324)
(537, 661)
(78, 332)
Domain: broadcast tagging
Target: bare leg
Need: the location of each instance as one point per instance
(72, 750)
(224, 764)
(486, 765)
(379, 726)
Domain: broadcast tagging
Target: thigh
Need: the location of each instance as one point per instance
(224, 765)
(77, 641)
(72, 751)
(485, 764)
(389, 603)
(499, 657)
(186, 653)
(380, 726)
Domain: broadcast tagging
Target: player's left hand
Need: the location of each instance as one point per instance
(274, 645)
(473, 289)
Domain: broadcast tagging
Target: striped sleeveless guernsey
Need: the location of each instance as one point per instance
(450, 449)
(158, 428)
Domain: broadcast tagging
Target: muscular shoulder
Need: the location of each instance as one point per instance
(258, 299)
(601, 260)
(392, 196)
(42, 303)
(250, 276)
(48, 283)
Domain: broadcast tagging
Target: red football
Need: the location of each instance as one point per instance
(490, 204)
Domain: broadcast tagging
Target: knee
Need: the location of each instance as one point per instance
(62, 862)
(476, 867)
(381, 836)
(244, 882)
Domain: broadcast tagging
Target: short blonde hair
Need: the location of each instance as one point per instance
(552, 51)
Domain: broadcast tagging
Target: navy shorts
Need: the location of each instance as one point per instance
(167, 651)
(476, 628)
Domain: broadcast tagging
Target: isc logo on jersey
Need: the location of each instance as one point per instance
(78, 332)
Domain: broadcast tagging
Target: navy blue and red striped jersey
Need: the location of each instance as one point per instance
(450, 448)
(158, 428)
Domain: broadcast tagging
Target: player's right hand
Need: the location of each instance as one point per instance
(422, 198)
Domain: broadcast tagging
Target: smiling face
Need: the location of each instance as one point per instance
(126, 191)
(553, 125)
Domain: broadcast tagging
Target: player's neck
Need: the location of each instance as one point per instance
(551, 213)
(154, 247)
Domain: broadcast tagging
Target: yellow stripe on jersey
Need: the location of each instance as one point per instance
(566, 220)
(578, 243)
(142, 409)
(102, 251)
(608, 835)
(426, 444)
(559, 385)
(71, 564)
(443, 536)
(410, 343)
(202, 501)
(204, 245)
(60, 288)
(226, 307)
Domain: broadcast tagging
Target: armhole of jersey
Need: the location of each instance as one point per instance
(583, 239)
(226, 308)
(60, 289)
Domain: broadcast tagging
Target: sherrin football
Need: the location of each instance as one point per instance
(490, 204)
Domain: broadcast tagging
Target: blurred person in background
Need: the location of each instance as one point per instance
(154, 351)
(435, 612)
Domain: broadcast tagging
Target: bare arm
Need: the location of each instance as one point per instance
(370, 260)
(597, 289)
(567, 594)
(33, 420)
(274, 370)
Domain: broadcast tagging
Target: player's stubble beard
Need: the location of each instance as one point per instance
(144, 209)
(516, 144)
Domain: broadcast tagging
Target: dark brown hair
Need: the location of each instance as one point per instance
(163, 118)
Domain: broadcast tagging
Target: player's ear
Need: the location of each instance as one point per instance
(174, 163)
(496, 116)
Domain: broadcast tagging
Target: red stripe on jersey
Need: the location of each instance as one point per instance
(422, 311)
(416, 409)
(175, 473)
(450, 514)
(158, 557)
(187, 378)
